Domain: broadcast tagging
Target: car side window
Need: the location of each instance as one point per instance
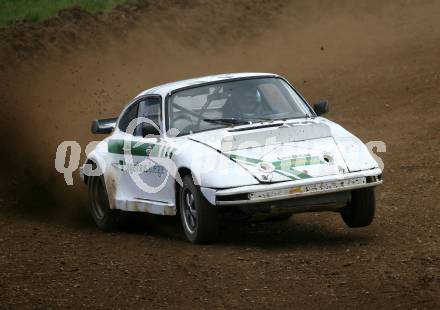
(129, 115)
(150, 108)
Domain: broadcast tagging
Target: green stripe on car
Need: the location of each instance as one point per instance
(283, 167)
(136, 148)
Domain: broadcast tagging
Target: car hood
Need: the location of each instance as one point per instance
(290, 151)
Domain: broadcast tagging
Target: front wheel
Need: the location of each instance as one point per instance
(360, 210)
(199, 218)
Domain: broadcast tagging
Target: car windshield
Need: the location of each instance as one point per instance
(232, 103)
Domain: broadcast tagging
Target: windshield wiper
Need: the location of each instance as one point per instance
(261, 119)
(229, 121)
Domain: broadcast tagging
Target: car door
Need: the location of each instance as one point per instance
(118, 178)
(139, 158)
(151, 155)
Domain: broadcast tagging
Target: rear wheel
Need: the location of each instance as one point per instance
(199, 218)
(360, 210)
(104, 217)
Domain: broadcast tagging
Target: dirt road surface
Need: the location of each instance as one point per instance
(377, 64)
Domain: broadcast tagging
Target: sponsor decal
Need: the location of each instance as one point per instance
(149, 168)
(311, 188)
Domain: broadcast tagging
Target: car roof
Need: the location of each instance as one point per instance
(169, 87)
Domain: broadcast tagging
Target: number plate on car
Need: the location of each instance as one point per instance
(311, 188)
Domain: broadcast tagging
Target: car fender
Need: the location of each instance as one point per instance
(99, 156)
(96, 156)
(355, 153)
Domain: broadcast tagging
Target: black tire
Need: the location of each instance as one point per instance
(199, 218)
(99, 207)
(360, 210)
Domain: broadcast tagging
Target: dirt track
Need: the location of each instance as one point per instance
(377, 64)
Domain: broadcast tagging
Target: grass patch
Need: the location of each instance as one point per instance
(12, 11)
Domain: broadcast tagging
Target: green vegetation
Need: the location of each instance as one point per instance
(12, 11)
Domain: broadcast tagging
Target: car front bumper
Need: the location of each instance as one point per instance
(261, 193)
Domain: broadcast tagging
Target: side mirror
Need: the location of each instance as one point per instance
(321, 107)
(149, 130)
(104, 125)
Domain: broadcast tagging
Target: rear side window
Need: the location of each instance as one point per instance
(129, 115)
(151, 108)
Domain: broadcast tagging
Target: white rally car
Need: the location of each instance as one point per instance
(242, 144)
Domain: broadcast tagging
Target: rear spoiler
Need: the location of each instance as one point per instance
(105, 125)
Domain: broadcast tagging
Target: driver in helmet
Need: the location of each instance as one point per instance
(242, 103)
